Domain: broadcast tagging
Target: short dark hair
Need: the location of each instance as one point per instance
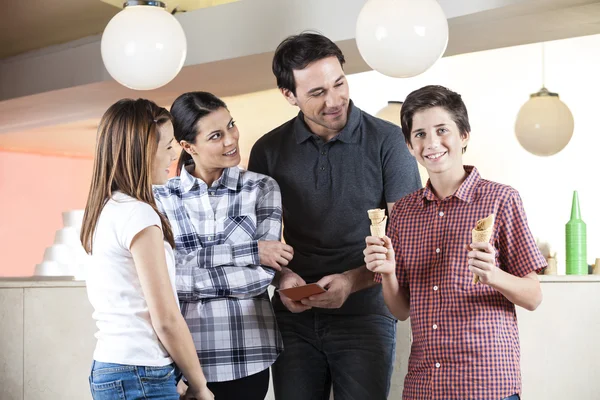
(434, 96)
(297, 51)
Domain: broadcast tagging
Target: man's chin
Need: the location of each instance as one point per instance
(337, 125)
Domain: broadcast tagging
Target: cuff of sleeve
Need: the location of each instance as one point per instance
(245, 254)
(377, 277)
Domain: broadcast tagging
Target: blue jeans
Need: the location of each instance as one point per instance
(355, 353)
(513, 397)
(120, 382)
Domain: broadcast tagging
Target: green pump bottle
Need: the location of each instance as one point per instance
(576, 241)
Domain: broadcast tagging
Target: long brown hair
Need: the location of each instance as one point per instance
(126, 144)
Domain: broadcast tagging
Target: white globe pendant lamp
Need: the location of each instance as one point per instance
(143, 46)
(544, 124)
(391, 112)
(401, 38)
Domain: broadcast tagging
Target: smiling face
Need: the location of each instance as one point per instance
(165, 154)
(322, 95)
(436, 142)
(216, 145)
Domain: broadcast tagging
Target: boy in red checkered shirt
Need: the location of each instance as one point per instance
(465, 335)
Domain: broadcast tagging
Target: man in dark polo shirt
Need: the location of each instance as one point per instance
(333, 162)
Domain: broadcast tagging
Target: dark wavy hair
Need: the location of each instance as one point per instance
(434, 96)
(187, 110)
(297, 51)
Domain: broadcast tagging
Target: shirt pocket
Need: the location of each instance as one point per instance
(238, 229)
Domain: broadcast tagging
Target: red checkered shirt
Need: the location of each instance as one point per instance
(465, 337)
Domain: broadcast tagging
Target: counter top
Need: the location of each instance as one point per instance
(569, 278)
(40, 282)
(65, 281)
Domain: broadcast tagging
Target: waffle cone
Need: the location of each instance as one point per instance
(376, 215)
(378, 230)
(482, 234)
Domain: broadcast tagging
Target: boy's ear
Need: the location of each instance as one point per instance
(410, 149)
(465, 136)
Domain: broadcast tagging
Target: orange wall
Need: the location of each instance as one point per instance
(34, 191)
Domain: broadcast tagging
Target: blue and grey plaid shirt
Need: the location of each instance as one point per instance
(220, 282)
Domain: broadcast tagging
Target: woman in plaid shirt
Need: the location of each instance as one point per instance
(227, 228)
(465, 336)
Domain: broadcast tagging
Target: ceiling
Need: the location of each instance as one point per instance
(63, 122)
(27, 25)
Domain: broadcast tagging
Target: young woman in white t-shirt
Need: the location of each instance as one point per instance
(131, 283)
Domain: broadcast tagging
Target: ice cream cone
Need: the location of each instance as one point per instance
(376, 215)
(482, 234)
(379, 229)
(378, 222)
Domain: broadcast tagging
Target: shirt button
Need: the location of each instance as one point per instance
(435, 288)
(437, 250)
(434, 326)
(441, 214)
(322, 168)
(437, 365)
(209, 238)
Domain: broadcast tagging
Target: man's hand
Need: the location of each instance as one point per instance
(338, 288)
(274, 254)
(482, 262)
(290, 279)
(379, 255)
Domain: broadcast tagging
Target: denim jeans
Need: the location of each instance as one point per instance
(354, 353)
(120, 382)
(513, 397)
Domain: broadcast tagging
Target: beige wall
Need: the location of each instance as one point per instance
(494, 85)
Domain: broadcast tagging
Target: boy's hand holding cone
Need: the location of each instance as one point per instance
(482, 234)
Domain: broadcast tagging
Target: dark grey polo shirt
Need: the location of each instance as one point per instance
(327, 188)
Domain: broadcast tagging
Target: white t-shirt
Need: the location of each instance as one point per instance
(125, 334)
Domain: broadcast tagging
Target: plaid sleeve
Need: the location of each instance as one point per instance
(269, 212)
(518, 252)
(195, 281)
(204, 273)
(219, 255)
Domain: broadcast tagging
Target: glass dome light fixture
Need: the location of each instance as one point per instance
(143, 46)
(391, 112)
(401, 38)
(544, 124)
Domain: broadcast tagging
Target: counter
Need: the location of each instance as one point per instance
(47, 341)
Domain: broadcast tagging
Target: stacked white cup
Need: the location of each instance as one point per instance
(66, 257)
